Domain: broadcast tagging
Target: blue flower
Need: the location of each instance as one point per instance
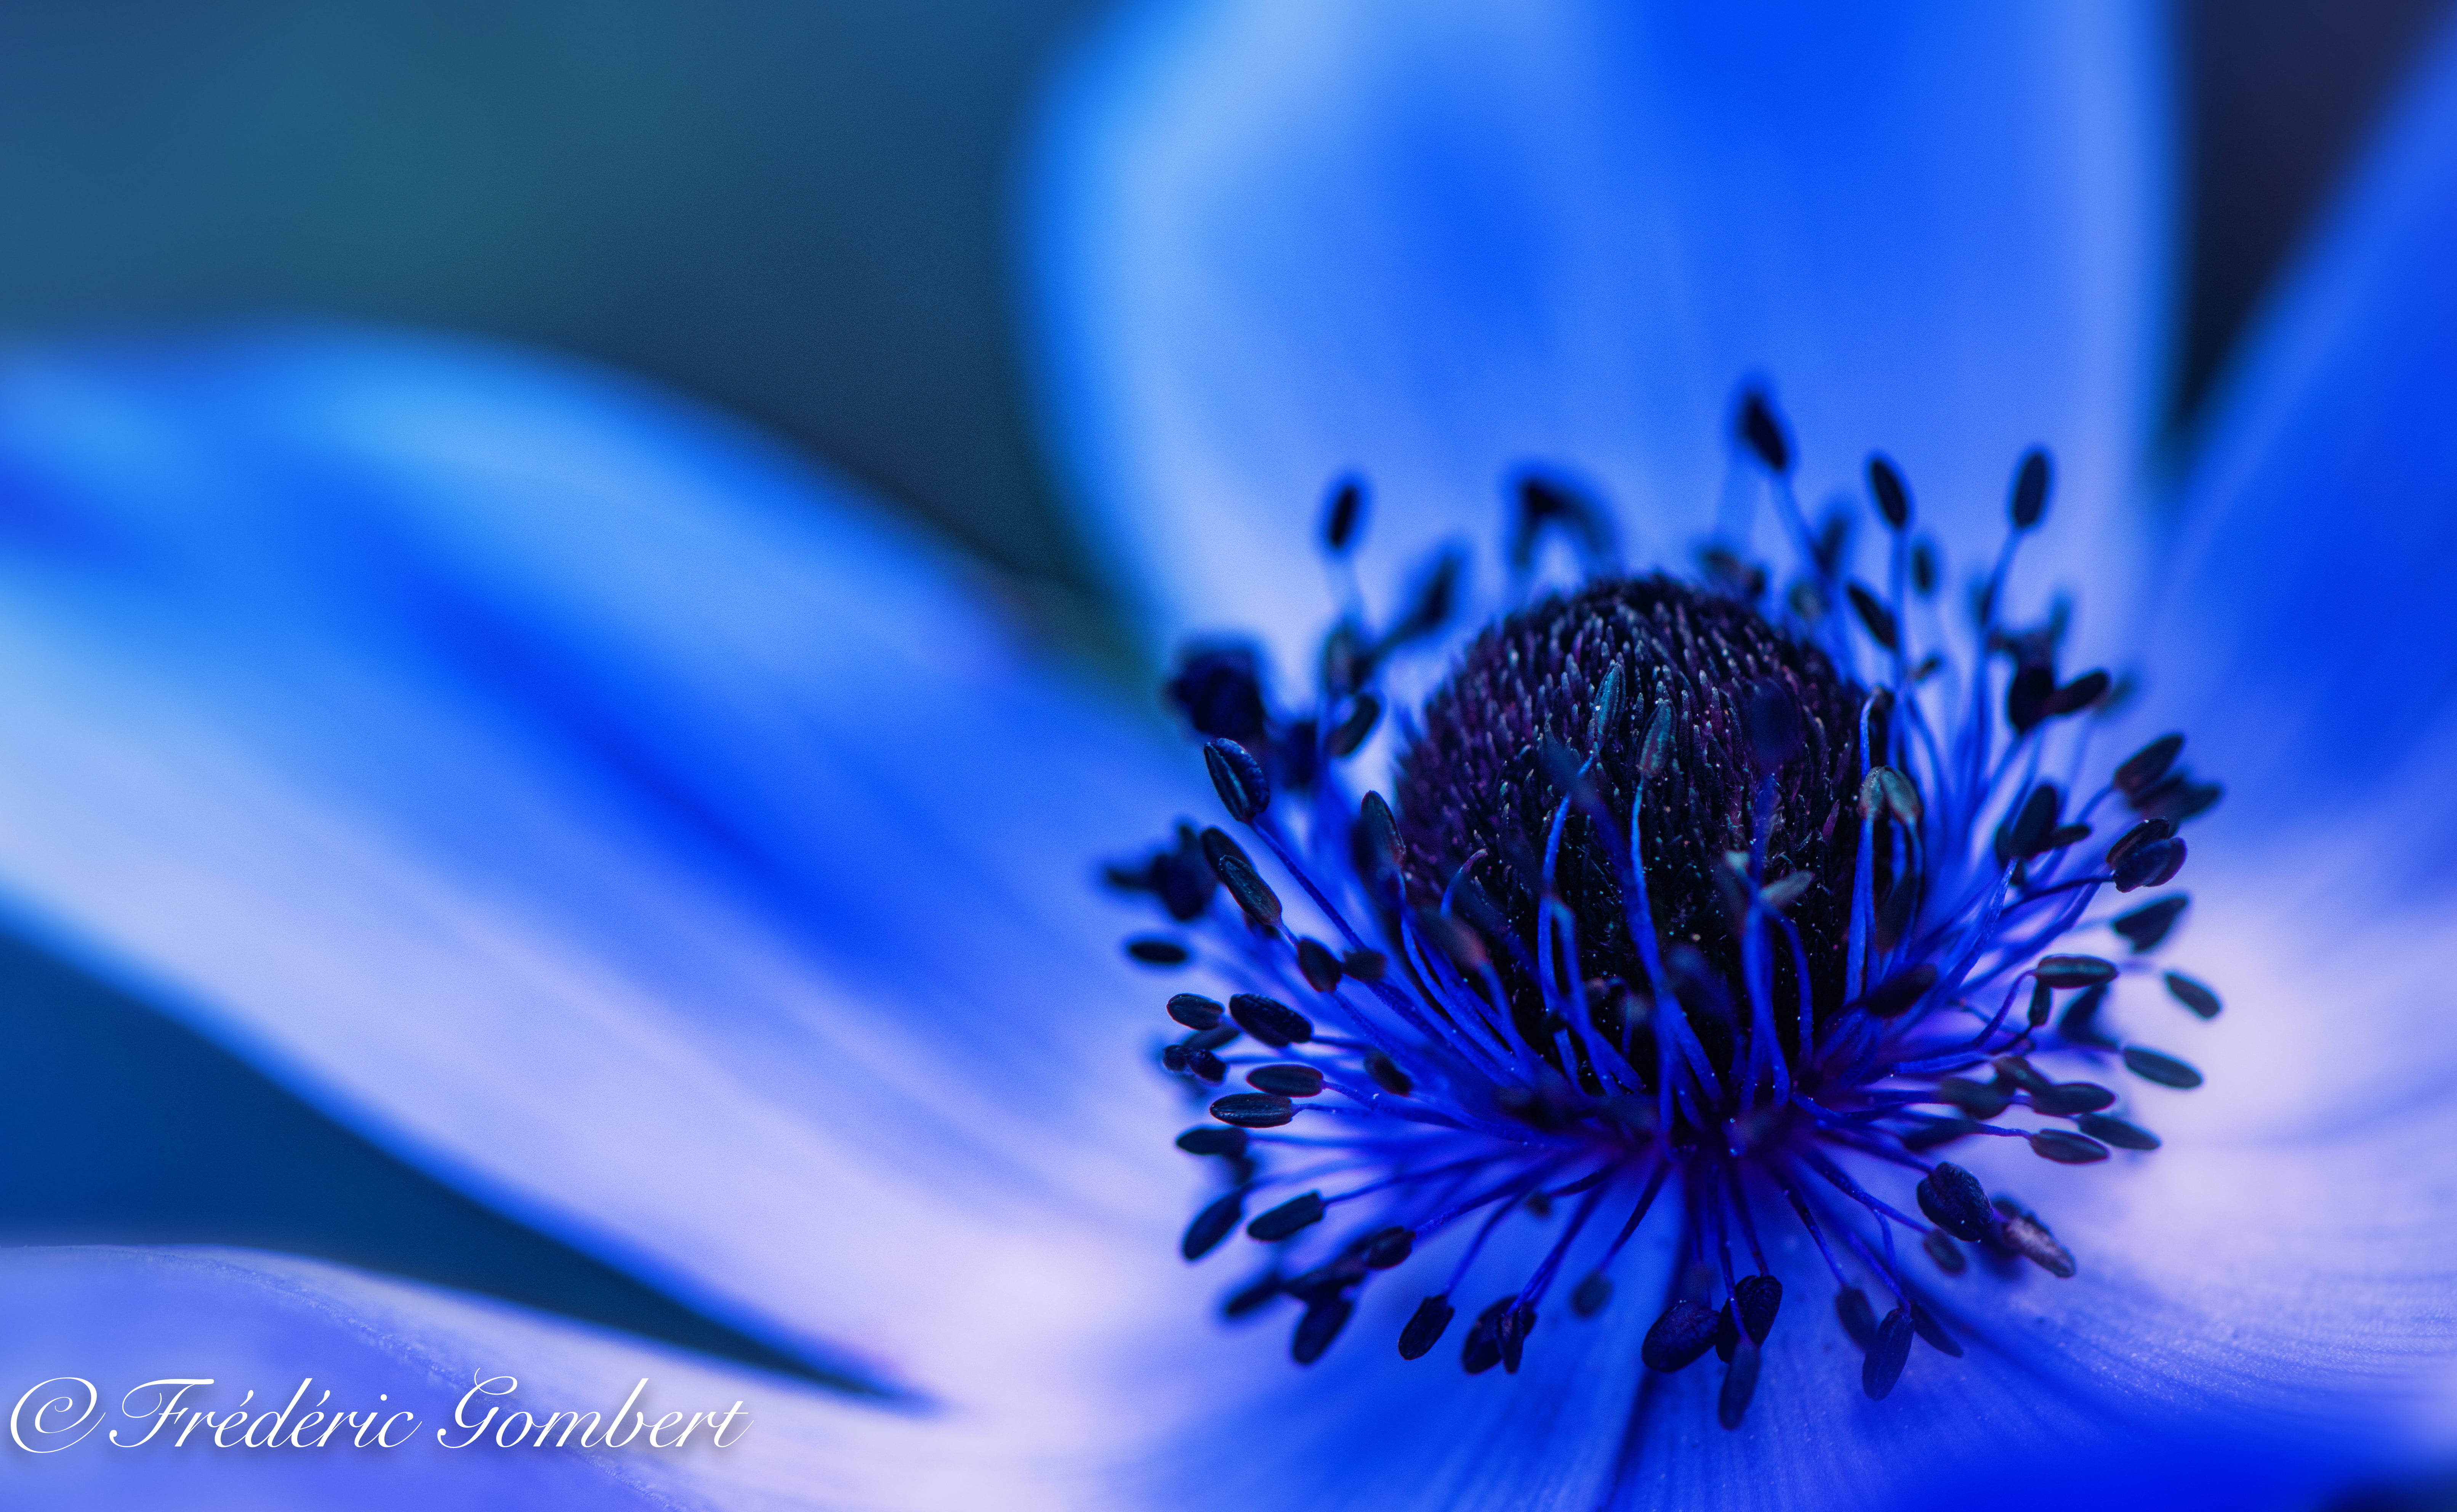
(609, 813)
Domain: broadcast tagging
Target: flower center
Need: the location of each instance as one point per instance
(1693, 903)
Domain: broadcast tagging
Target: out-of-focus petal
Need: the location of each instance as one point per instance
(92, 1327)
(2303, 630)
(1276, 241)
(603, 811)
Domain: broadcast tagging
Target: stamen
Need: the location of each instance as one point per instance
(1665, 889)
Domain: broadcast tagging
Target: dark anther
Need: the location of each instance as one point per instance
(2153, 864)
(1195, 1012)
(2031, 489)
(1251, 1297)
(1481, 1350)
(1890, 998)
(1757, 1299)
(2066, 1148)
(1290, 1080)
(1510, 1331)
(1885, 789)
(1363, 715)
(2028, 835)
(2043, 998)
(1938, 1131)
(1435, 595)
(1365, 965)
(1740, 1384)
(1875, 616)
(1728, 1334)
(2021, 1073)
(1238, 874)
(1343, 514)
(1385, 1248)
(2075, 971)
(2145, 926)
(1289, 1218)
(1686, 1331)
(1324, 1317)
(1425, 1328)
(2117, 1132)
(2143, 768)
(1859, 1319)
(2027, 1236)
(1978, 1099)
(1155, 951)
(1211, 1039)
(2027, 695)
(1213, 1223)
(1886, 1356)
(1253, 1110)
(1885, 483)
(1209, 1139)
(1924, 1323)
(1319, 967)
(1761, 432)
(1955, 1202)
(2178, 797)
(2080, 694)
(1387, 1075)
(2164, 1069)
(1244, 792)
(2067, 1098)
(1379, 851)
(2194, 995)
(1946, 1253)
(1924, 575)
(1547, 500)
(2145, 833)
(1592, 1294)
(1208, 1067)
(1220, 693)
(1269, 1021)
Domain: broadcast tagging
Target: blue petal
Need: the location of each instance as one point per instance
(605, 811)
(1277, 241)
(2302, 637)
(92, 1327)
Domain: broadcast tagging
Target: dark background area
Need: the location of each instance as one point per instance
(795, 210)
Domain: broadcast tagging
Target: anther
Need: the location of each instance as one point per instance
(1324, 1317)
(1424, 1329)
(2164, 1069)
(1220, 693)
(1874, 616)
(1740, 1384)
(1195, 1012)
(2027, 1236)
(1887, 1355)
(1761, 432)
(1288, 1219)
(2067, 1098)
(1269, 1021)
(1364, 713)
(1342, 514)
(2075, 971)
(1207, 1139)
(1946, 1253)
(2194, 995)
(1955, 1202)
(1385, 1248)
(2120, 1132)
(1686, 1331)
(2031, 489)
(2141, 770)
(1244, 792)
(1319, 967)
(1253, 1110)
(2145, 926)
(2154, 863)
(1387, 1075)
(1483, 1349)
(1214, 1223)
(2066, 1148)
(1156, 950)
(1886, 486)
(1755, 1301)
(1298, 1080)
(1858, 1318)
(1592, 1294)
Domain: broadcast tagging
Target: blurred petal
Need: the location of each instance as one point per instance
(111, 1320)
(2303, 636)
(1279, 241)
(605, 812)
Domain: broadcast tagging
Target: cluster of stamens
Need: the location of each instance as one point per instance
(1694, 899)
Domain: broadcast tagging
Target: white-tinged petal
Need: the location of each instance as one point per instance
(1279, 240)
(94, 1328)
(607, 813)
